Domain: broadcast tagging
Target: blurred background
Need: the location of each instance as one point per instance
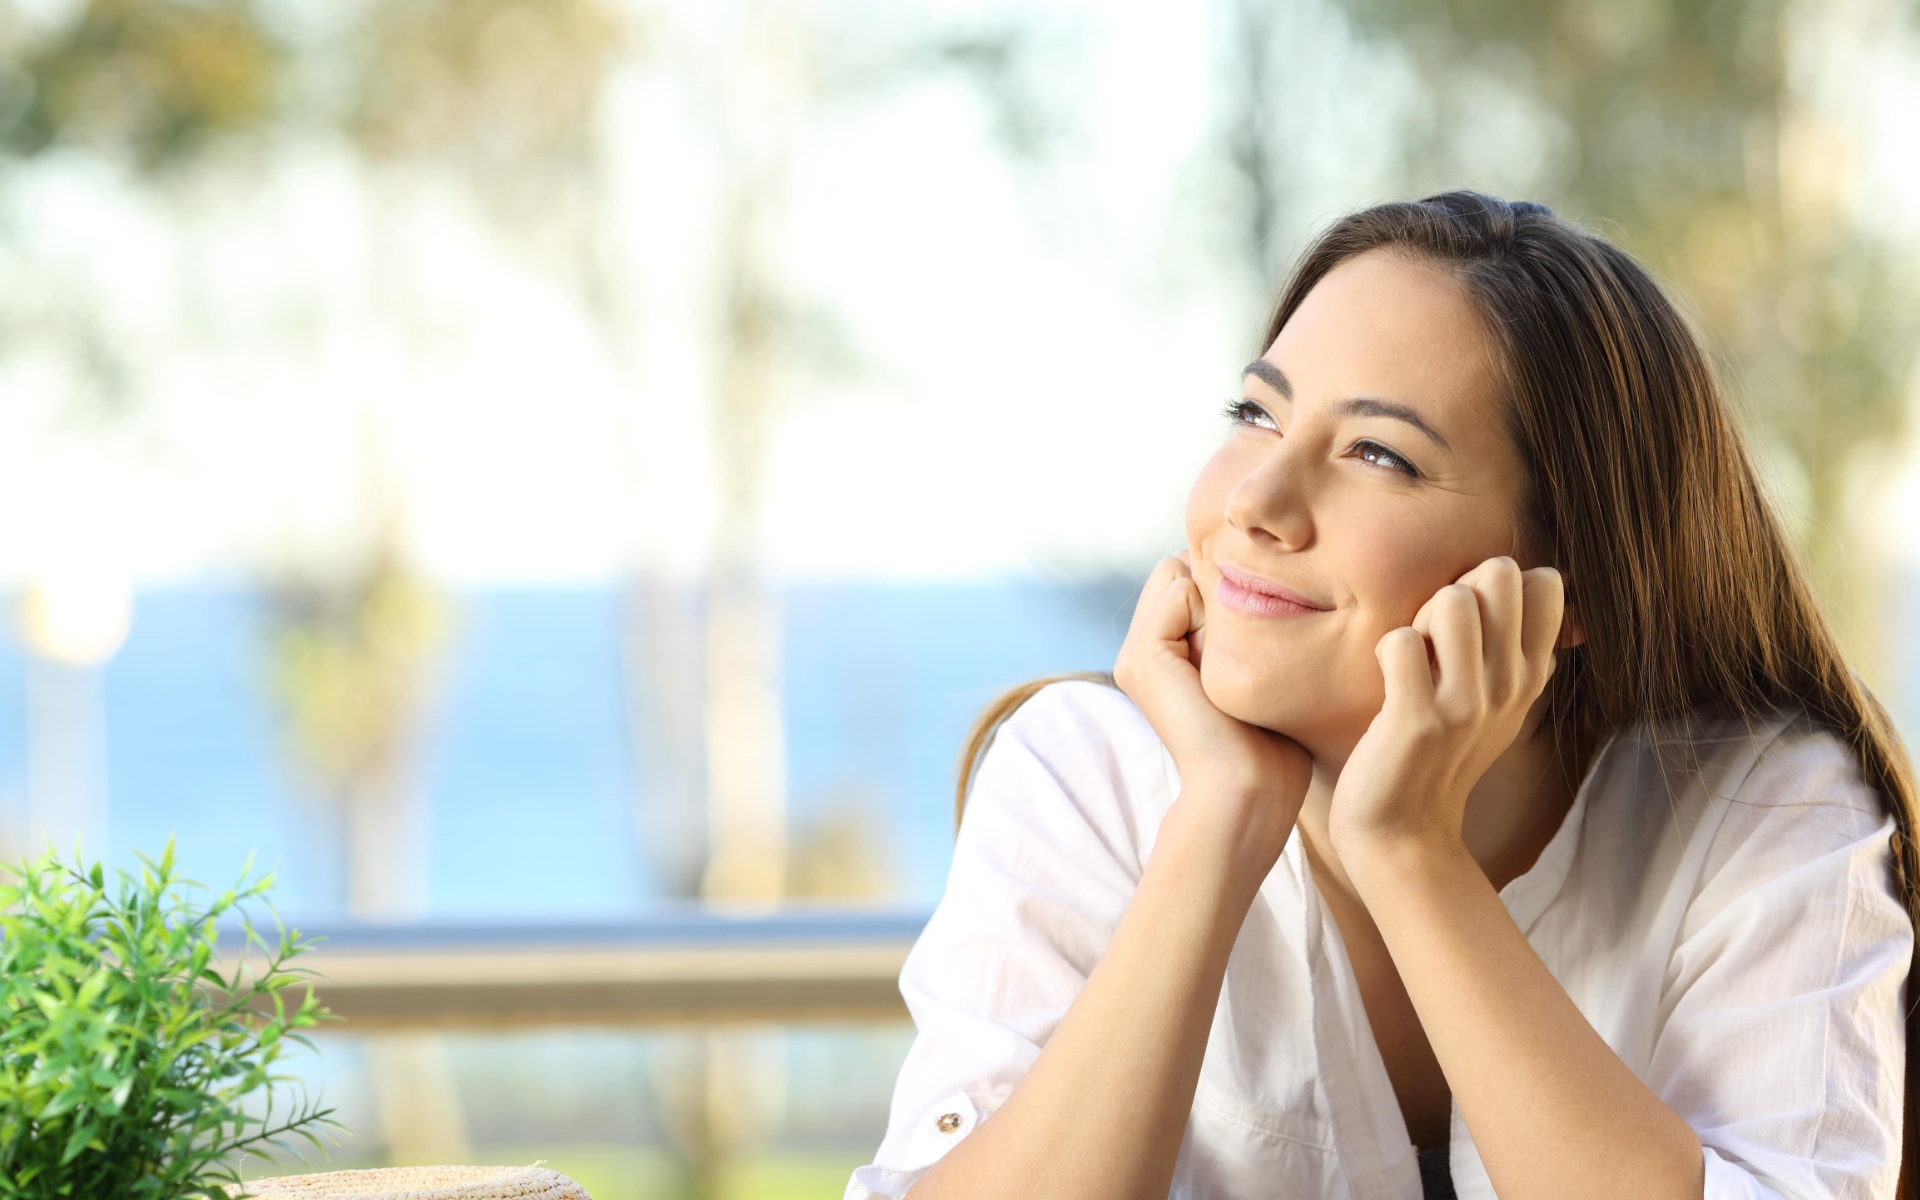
(553, 479)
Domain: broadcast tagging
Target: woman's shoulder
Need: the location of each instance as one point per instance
(1077, 752)
(1782, 756)
(1750, 791)
(1081, 712)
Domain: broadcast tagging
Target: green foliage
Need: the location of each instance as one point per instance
(1680, 123)
(128, 1054)
(155, 79)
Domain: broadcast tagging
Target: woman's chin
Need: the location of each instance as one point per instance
(1245, 696)
(1273, 700)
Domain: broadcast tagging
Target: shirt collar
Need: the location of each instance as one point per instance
(1528, 894)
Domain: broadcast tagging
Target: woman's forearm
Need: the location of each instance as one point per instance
(1553, 1111)
(1101, 1112)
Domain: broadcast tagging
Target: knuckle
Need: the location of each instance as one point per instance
(1462, 708)
(1454, 604)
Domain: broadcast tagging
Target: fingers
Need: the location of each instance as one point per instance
(1403, 661)
(1497, 585)
(1521, 613)
(1491, 635)
(1543, 606)
(1162, 646)
(1453, 629)
(1164, 572)
(1176, 612)
(1169, 607)
(1461, 678)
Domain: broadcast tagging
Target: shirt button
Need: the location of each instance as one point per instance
(948, 1122)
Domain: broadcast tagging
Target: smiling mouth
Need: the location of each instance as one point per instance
(1259, 597)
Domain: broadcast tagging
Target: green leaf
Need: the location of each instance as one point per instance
(128, 1066)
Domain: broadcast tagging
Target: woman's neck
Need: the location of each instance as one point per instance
(1512, 812)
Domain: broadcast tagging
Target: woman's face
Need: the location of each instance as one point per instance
(1369, 467)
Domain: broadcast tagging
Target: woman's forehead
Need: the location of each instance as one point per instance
(1390, 326)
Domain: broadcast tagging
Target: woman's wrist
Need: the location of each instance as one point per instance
(1238, 827)
(1386, 865)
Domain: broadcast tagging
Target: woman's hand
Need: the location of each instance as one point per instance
(1101, 1113)
(1553, 1111)
(1255, 777)
(1459, 683)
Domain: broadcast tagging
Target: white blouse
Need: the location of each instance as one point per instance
(1718, 902)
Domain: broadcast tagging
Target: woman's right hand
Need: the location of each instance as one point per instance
(1100, 1113)
(1249, 776)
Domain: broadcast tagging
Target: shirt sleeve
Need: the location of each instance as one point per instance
(1047, 857)
(1783, 1044)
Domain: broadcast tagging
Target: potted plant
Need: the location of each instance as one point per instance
(135, 1062)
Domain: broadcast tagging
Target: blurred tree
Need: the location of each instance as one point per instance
(506, 95)
(839, 852)
(769, 73)
(348, 664)
(502, 92)
(157, 86)
(503, 96)
(1678, 124)
(153, 80)
(766, 76)
(147, 84)
(1013, 66)
(349, 658)
(1255, 113)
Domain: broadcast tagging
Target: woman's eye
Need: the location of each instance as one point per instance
(1380, 456)
(1246, 412)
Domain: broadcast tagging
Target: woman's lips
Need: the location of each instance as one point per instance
(1250, 594)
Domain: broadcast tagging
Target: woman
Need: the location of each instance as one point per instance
(1484, 806)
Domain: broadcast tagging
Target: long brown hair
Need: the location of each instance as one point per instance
(1639, 491)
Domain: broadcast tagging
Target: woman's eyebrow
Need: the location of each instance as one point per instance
(1270, 375)
(1359, 406)
(1367, 406)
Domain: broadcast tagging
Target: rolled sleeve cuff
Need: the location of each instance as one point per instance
(940, 1128)
(873, 1183)
(1728, 1181)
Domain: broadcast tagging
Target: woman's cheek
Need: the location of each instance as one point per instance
(1207, 499)
(1393, 567)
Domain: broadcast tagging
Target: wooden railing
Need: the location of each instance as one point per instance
(694, 967)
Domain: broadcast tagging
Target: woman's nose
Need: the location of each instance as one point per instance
(1273, 500)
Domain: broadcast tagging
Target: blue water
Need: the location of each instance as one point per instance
(528, 775)
(527, 762)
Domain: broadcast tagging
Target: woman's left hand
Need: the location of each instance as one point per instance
(1532, 1081)
(1459, 682)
